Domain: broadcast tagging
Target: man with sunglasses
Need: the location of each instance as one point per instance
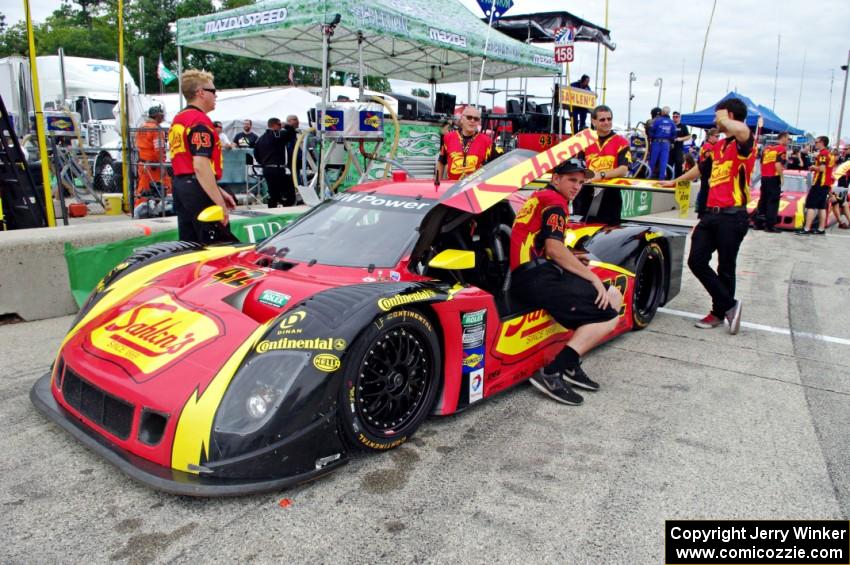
(608, 158)
(546, 274)
(195, 151)
(465, 150)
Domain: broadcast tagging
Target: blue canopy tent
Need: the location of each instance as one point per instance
(772, 123)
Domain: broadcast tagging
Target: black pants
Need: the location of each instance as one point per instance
(189, 201)
(722, 233)
(610, 207)
(702, 196)
(678, 160)
(768, 207)
(281, 189)
(568, 298)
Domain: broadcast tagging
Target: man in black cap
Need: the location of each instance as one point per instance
(271, 152)
(546, 274)
(579, 115)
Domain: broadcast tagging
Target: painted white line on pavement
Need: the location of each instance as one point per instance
(762, 327)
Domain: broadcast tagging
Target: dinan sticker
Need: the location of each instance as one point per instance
(274, 298)
(155, 333)
(326, 362)
(290, 322)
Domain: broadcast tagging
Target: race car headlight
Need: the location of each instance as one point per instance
(257, 390)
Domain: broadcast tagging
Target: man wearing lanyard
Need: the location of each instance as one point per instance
(608, 158)
(725, 221)
(465, 150)
(196, 159)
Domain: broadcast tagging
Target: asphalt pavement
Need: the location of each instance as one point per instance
(689, 424)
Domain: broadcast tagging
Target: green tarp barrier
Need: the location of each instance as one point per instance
(88, 265)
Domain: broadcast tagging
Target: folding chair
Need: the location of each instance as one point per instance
(255, 184)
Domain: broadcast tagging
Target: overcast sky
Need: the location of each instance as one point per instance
(654, 37)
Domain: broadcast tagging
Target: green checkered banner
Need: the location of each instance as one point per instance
(416, 40)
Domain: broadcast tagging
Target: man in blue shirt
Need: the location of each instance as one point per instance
(663, 133)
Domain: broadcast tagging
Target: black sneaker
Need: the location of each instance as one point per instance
(579, 378)
(818, 232)
(555, 387)
(803, 232)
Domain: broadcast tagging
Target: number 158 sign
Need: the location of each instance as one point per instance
(564, 54)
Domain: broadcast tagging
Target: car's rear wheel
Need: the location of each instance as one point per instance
(650, 285)
(390, 380)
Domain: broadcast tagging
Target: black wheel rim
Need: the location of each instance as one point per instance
(647, 289)
(393, 381)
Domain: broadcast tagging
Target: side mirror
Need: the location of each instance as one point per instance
(211, 214)
(453, 259)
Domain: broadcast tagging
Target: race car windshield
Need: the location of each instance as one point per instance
(358, 229)
(795, 183)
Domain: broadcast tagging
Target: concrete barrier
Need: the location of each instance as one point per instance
(34, 282)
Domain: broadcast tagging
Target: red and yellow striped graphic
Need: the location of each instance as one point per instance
(480, 195)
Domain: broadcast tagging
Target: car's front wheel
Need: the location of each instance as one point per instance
(390, 380)
(650, 285)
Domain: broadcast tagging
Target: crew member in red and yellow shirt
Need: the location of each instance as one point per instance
(150, 142)
(772, 163)
(196, 159)
(818, 196)
(608, 158)
(725, 221)
(704, 166)
(465, 150)
(546, 274)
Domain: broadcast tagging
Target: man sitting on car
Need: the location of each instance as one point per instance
(546, 274)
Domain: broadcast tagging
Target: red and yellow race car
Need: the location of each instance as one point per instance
(792, 211)
(235, 369)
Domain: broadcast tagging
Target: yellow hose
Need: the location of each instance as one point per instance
(396, 131)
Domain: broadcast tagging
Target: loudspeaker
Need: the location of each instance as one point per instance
(445, 104)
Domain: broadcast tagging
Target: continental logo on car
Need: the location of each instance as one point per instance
(155, 333)
(473, 360)
(318, 343)
(387, 304)
(326, 362)
(520, 334)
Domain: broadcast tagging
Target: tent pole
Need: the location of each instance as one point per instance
(846, 69)
(469, 82)
(180, 76)
(142, 74)
(326, 30)
(596, 78)
(486, 47)
(360, 63)
(605, 62)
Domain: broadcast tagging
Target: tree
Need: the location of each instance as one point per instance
(421, 92)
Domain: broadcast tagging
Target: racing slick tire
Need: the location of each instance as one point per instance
(390, 381)
(650, 285)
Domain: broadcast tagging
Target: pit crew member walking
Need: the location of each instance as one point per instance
(816, 200)
(772, 162)
(465, 150)
(608, 158)
(196, 159)
(545, 274)
(724, 223)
